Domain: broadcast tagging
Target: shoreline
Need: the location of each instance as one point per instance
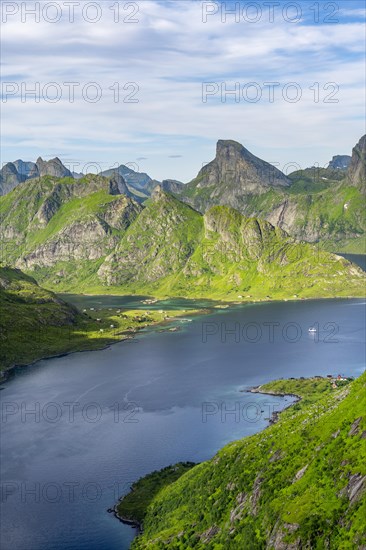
(6, 373)
(275, 416)
(134, 524)
(229, 301)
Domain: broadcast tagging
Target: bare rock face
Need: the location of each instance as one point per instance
(234, 166)
(277, 540)
(25, 168)
(355, 488)
(340, 162)
(357, 167)
(9, 178)
(86, 239)
(355, 427)
(233, 175)
(53, 167)
(172, 186)
(118, 185)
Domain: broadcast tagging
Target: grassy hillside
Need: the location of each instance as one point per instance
(171, 250)
(311, 209)
(298, 484)
(80, 236)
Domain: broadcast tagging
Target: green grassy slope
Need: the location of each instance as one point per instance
(171, 250)
(77, 236)
(63, 227)
(298, 484)
(329, 211)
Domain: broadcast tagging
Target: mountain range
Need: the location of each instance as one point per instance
(87, 235)
(314, 204)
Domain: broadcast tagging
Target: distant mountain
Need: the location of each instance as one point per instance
(50, 220)
(9, 178)
(25, 168)
(233, 175)
(14, 173)
(138, 180)
(340, 162)
(171, 186)
(77, 175)
(323, 205)
(53, 167)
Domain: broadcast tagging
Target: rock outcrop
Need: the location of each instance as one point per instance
(340, 162)
(53, 167)
(357, 168)
(9, 178)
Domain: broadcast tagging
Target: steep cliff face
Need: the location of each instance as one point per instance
(53, 167)
(25, 168)
(14, 173)
(340, 162)
(80, 235)
(9, 178)
(357, 168)
(51, 220)
(234, 175)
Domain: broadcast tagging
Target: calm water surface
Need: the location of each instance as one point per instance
(104, 418)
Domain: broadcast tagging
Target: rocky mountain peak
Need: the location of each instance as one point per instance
(236, 171)
(53, 167)
(340, 162)
(9, 178)
(158, 193)
(118, 185)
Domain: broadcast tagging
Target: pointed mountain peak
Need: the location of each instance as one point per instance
(236, 168)
(53, 167)
(224, 144)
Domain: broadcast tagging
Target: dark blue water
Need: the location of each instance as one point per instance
(143, 405)
(358, 259)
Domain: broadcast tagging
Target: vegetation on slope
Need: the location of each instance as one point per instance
(35, 323)
(314, 211)
(132, 508)
(171, 250)
(298, 484)
(79, 236)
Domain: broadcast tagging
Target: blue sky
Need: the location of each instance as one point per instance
(163, 56)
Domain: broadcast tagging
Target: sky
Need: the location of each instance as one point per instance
(154, 84)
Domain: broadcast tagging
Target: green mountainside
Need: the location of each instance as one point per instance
(315, 204)
(85, 236)
(33, 321)
(301, 483)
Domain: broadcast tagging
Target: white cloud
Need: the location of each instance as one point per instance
(169, 53)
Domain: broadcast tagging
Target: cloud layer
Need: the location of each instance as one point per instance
(150, 68)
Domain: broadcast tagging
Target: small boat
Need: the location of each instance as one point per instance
(312, 329)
